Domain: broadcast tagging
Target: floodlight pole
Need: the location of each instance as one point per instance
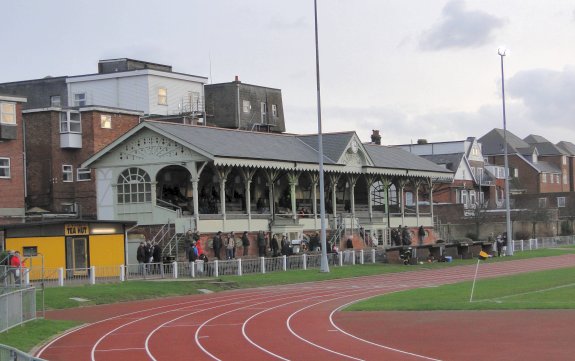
(509, 248)
(324, 266)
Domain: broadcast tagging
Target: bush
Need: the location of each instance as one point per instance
(472, 236)
(522, 235)
(566, 228)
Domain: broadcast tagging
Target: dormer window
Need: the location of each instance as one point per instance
(534, 157)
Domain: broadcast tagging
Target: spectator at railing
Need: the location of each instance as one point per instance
(16, 267)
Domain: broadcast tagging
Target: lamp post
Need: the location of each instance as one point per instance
(509, 249)
(324, 266)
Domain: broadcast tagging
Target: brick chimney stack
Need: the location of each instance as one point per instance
(375, 137)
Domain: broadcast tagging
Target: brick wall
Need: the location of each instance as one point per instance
(12, 189)
(45, 158)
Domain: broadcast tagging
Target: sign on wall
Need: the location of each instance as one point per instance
(76, 230)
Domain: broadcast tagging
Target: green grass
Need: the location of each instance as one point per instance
(552, 289)
(60, 297)
(30, 334)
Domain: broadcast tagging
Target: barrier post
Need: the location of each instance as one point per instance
(216, 268)
(284, 262)
(239, 266)
(373, 255)
(361, 255)
(263, 260)
(353, 256)
(93, 275)
(304, 261)
(61, 277)
(340, 258)
(175, 268)
(122, 274)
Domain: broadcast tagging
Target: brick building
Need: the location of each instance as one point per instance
(58, 140)
(12, 171)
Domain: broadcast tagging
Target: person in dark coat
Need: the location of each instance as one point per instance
(261, 244)
(421, 234)
(217, 244)
(349, 243)
(274, 246)
(141, 256)
(245, 243)
(405, 236)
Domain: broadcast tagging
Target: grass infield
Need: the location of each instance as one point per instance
(33, 333)
(552, 289)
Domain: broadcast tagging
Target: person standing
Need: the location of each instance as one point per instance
(499, 241)
(217, 244)
(261, 244)
(141, 257)
(405, 236)
(230, 245)
(157, 256)
(421, 234)
(274, 246)
(245, 243)
(16, 267)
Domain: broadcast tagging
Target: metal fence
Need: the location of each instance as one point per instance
(54, 277)
(8, 353)
(16, 307)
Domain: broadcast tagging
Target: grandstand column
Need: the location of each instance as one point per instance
(352, 179)
(196, 204)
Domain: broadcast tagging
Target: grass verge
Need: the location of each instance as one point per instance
(551, 289)
(30, 334)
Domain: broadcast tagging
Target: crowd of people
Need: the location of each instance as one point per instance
(149, 256)
(13, 267)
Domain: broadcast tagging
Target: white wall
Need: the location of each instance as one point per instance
(178, 91)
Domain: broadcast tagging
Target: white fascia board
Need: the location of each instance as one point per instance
(132, 73)
(409, 173)
(296, 166)
(6, 98)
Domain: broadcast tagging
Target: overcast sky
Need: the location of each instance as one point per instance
(410, 68)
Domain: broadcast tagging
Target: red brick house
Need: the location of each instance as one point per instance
(58, 140)
(12, 176)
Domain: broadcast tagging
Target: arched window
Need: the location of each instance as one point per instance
(134, 186)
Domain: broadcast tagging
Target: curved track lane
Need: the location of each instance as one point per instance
(294, 322)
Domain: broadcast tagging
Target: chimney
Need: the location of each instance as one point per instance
(237, 79)
(375, 137)
(422, 141)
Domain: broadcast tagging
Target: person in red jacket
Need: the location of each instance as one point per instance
(16, 267)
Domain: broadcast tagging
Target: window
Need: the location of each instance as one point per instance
(463, 197)
(409, 199)
(564, 160)
(83, 174)
(55, 101)
(7, 113)
(472, 197)
(480, 175)
(516, 173)
(544, 177)
(134, 186)
(264, 108)
(106, 121)
(246, 106)
(475, 151)
(67, 173)
(560, 202)
(4, 167)
(274, 110)
(162, 96)
(542, 202)
(70, 122)
(80, 99)
(564, 178)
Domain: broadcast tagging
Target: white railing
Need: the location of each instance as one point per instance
(241, 266)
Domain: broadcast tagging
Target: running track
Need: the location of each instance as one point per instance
(292, 322)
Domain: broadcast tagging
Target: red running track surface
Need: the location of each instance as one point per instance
(302, 322)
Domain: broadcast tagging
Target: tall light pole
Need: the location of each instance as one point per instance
(324, 266)
(509, 249)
